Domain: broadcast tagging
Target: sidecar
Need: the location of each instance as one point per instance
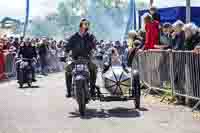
(118, 84)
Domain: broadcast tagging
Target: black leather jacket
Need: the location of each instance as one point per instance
(28, 52)
(81, 46)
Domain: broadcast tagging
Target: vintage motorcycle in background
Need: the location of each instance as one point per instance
(24, 71)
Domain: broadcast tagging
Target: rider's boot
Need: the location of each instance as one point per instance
(68, 93)
(105, 68)
(98, 91)
(33, 75)
(92, 91)
(69, 87)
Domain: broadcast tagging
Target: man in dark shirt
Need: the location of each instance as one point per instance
(81, 44)
(43, 52)
(16, 43)
(28, 52)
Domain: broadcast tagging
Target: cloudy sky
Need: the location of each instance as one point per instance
(16, 8)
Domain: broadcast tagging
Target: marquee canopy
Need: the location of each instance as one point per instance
(172, 14)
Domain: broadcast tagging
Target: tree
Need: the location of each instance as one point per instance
(64, 14)
(43, 27)
(107, 18)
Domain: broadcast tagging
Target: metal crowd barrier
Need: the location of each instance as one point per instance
(10, 68)
(10, 65)
(2, 66)
(177, 72)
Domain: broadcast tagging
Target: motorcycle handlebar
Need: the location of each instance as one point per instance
(26, 59)
(81, 61)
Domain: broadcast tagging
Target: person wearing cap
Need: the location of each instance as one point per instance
(165, 37)
(81, 44)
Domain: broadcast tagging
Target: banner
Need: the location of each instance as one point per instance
(131, 24)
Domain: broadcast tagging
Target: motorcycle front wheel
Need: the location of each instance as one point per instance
(29, 84)
(81, 97)
(21, 85)
(136, 92)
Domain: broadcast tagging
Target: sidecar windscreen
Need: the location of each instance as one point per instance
(117, 81)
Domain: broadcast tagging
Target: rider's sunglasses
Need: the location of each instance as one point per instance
(86, 23)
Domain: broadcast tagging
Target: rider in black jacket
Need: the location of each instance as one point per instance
(81, 44)
(29, 52)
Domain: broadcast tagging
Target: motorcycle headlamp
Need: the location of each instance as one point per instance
(81, 67)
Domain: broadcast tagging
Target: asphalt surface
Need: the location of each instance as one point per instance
(44, 109)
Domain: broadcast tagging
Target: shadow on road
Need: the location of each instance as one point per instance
(115, 112)
(26, 87)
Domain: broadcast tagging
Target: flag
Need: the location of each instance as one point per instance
(151, 2)
(132, 17)
(26, 18)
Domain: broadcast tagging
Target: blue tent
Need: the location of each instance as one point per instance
(172, 14)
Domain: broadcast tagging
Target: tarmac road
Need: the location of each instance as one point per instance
(44, 109)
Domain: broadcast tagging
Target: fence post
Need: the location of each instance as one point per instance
(171, 55)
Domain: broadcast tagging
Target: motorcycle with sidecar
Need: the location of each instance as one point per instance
(115, 84)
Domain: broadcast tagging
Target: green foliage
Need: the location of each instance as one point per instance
(167, 87)
(106, 17)
(107, 3)
(43, 28)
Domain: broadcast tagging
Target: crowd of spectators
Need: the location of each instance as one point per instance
(164, 36)
(156, 35)
(48, 52)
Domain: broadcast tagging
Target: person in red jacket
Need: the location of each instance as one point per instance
(152, 32)
(2, 62)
